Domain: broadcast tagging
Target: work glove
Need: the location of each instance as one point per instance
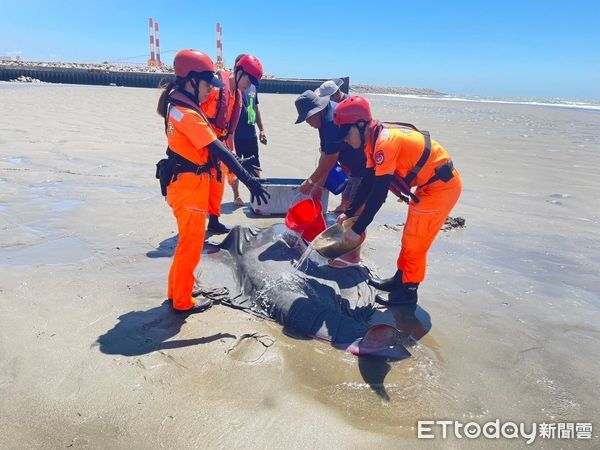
(257, 191)
(247, 164)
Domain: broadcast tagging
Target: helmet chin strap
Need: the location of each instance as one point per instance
(238, 79)
(362, 130)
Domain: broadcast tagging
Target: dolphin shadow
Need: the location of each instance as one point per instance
(141, 332)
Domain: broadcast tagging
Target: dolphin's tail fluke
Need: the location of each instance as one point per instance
(380, 340)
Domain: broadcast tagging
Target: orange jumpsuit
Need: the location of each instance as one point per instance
(188, 134)
(217, 188)
(397, 150)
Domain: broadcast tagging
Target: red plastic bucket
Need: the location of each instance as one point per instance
(306, 218)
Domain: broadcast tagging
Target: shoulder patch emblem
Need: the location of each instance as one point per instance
(170, 128)
(379, 158)
(175, 114)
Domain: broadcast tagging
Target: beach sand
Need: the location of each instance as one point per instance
(507, 326)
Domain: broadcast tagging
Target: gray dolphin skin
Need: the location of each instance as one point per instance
(318, 301)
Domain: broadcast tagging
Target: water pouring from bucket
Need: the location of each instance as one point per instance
(306, 218)
(331, 244)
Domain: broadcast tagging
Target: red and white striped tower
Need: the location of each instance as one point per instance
(151, 61)
(219, 64)
(158, 61)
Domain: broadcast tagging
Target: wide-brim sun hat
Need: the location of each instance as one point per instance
(309, 104)
(329, 88)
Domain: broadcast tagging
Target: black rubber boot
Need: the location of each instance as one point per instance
(406, 295)
(214, 226)
(387, 284)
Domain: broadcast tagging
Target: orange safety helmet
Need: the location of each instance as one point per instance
(194, 64)
(352, 110)
(251, 65)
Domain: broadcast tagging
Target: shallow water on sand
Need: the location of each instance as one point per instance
(371, 393)
(507, 323)
(57, 251)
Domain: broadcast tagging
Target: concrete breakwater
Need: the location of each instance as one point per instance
(102, 77)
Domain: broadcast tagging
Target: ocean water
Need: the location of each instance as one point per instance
(593, 105)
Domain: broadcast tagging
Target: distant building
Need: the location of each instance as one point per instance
(10, 58)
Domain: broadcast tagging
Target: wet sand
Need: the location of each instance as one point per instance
(507, 325)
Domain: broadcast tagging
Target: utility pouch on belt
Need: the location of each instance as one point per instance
(164, 174)
(444, 172)
(167, 169)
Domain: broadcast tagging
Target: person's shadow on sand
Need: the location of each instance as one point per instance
(230, 207)
(166, 248)
(141, 332)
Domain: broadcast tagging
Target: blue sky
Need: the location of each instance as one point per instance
(521, 48)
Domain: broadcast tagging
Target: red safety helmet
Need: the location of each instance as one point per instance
(352, 110)
(187, 61)
(252, 66)
(192, 62)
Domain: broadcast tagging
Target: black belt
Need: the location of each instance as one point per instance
(184, 165)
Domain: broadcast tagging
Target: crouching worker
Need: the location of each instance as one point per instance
(318, 112)
(193, 150)
(399, 158)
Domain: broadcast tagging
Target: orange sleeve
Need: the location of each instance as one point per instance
(194, 127)
(385, 155)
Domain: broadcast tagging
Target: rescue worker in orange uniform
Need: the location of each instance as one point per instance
(193, 152)
(247, 71)
(399, 158)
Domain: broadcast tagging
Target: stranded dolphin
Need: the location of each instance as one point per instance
(329, 304)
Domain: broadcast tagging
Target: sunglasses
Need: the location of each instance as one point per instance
(345, 129)
(253, 80)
